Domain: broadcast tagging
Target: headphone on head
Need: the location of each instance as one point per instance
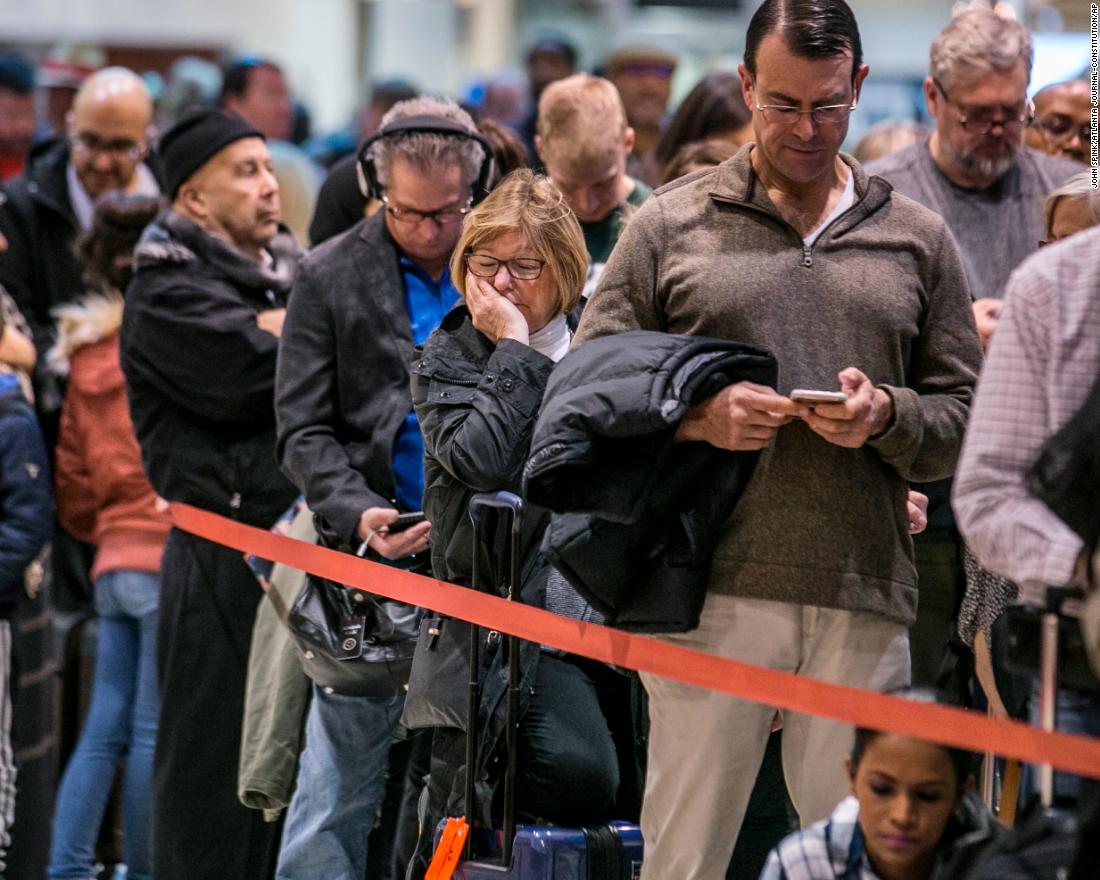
(367, 171)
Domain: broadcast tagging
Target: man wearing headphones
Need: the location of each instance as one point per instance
(347, 435)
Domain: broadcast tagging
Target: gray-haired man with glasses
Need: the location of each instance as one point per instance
(975, 170)
(792, 246)
(989, 188)
(349, 439)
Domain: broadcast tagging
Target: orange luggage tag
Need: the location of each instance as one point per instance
(449, 851)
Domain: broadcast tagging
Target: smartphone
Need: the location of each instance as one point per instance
(810, 398)
(404, 521)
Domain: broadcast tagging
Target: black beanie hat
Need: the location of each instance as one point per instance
(192, 141)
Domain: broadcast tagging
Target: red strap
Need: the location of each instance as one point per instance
(940, 724)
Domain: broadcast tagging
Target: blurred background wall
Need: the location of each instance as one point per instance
(332, 50)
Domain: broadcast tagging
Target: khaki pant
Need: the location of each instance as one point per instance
(705, 748)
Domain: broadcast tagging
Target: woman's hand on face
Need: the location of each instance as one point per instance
(494, 314)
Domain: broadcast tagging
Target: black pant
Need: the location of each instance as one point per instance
(769, 818)
(568, 765)
(207, 607)
(569, 769)
(941, 583)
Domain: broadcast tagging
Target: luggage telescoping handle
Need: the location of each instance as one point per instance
(508, 502)
(1056, 597)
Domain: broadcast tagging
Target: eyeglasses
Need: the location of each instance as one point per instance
(413, 217)
(90, 145)
(1062, 128)
(981, 120)
(783, 114)
(830, 114)
(522, 268)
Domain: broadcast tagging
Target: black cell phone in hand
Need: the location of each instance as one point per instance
(404, 521)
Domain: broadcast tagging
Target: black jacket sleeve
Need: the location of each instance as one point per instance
(26, 505)
(481, 435)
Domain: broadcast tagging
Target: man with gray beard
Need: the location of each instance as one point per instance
(974, 171)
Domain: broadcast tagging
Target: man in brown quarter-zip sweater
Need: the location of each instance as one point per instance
(790, 245)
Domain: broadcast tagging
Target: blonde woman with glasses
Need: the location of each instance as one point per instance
(477, 384)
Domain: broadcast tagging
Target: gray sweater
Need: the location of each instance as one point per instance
(996, 228)
(883, 290)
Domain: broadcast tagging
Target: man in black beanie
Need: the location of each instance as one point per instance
(199, 339)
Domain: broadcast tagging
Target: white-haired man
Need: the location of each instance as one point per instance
(974, 170)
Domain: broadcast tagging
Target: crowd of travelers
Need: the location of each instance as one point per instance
(829, 413)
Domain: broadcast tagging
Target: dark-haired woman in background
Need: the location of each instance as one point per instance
(104, 497)
(713, 110)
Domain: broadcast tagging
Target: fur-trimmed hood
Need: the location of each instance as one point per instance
(95, 317)
(174, 241)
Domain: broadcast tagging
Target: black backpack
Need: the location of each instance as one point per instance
(1040, 847)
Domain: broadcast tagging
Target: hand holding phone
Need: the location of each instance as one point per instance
(741, 417)
(864, 412)
(811, 398)
(393, 535)
(404, 521)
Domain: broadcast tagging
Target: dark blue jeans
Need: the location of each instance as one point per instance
(340, 779)
(121, 724)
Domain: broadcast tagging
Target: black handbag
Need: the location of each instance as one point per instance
(439, 678)
(353, 642)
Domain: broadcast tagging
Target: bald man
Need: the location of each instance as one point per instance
(105, 148)
(1063, 124)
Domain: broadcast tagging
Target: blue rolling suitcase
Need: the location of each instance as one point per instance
(533, 852)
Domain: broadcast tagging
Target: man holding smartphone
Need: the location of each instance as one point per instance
(791, 246)
(348, 437)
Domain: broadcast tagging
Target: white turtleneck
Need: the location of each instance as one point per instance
(553, 339)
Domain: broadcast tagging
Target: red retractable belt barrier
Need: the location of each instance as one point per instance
(941, 724)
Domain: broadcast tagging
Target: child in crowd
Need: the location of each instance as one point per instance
(26, 518)
(912, 815)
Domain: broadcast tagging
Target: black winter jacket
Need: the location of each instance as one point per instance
(26, 502)
(637, 514)
(40, 269)
(477, 405)
(200, 373)
(342, 391)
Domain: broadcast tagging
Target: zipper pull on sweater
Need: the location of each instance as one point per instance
(807, 256)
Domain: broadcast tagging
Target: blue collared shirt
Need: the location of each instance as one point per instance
(426, 301)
